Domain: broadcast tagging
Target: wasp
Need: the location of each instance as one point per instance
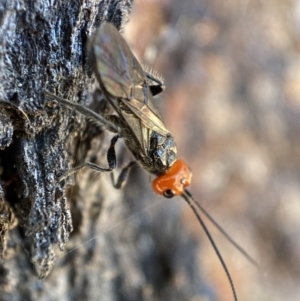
(130, 90)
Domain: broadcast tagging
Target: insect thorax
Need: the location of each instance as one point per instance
(157, 156)
(163, 151)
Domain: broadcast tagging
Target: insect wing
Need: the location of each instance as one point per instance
(115, 66)
(150, 118)
(121, 75)
(141, 133)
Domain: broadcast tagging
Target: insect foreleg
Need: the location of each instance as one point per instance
(111, 153)
(112, 164)
(87, 164)
(111, 160)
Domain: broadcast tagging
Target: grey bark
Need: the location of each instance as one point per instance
(42, 46)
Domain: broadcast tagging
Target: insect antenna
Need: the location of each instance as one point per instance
(190, 200)
(227, 236)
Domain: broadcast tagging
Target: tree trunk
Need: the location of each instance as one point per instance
(117, 250)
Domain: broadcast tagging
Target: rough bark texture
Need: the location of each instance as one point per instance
(42, 46)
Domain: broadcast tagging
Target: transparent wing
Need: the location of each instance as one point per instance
(114, 64)
(121, 75)
(151, 119)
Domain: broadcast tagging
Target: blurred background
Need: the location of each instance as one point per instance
(232, 102)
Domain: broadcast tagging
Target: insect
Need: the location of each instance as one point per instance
(130, 89)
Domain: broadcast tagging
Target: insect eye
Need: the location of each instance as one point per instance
(169, 193)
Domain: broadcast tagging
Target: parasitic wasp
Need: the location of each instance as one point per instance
(129, 89)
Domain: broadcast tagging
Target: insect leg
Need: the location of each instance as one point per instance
(111, 153)
(123, 176)
(111, 159)
(112, 164)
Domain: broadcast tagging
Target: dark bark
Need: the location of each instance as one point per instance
(42, 46)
